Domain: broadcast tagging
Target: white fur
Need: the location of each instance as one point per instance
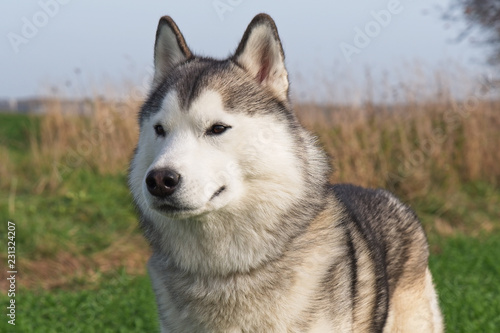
(262, 44)
(415, 309)
(239, 219)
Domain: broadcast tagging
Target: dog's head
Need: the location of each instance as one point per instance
(217, 134)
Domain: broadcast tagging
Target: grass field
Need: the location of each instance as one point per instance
(81, 258)
(119, 303)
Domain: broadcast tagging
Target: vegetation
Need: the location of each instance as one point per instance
(81, 255)
(120, 303)
(466, 274)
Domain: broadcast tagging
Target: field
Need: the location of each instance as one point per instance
(81, 257)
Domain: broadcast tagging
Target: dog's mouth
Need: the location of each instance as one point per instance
(173, 208)
(216, 193)
(168, 208)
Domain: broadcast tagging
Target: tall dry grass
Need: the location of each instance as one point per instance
(410, 147)
(101, 139)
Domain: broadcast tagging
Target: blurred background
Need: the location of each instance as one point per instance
(403, 95)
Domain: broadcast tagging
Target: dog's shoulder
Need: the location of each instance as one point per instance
(367, 204)
(382, 219)
(389, 227)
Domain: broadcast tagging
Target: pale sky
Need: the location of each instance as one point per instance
(111, 42)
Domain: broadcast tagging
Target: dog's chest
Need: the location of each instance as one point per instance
(284, 295)
(225, 304)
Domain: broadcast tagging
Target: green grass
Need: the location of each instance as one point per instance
(120, 304)
(466, 274)
(86, 217)
(89, 213)
(15, 130)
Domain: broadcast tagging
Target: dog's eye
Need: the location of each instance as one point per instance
(217, 129)
(159, 130)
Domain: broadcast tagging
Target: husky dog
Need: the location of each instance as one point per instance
(247, 233)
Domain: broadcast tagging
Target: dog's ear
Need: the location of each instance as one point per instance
(170, 48)
(261, 54)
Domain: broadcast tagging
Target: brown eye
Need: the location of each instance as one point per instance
(159, 130)
(217, 129)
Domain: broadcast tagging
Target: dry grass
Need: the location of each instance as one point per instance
(409, 147)
(101, 140)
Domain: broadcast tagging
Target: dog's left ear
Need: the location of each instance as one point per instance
(170, 48)
(261, 54)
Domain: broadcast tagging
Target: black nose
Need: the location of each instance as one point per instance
(162, 182)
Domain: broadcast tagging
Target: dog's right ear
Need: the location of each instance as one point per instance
(170, 48)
